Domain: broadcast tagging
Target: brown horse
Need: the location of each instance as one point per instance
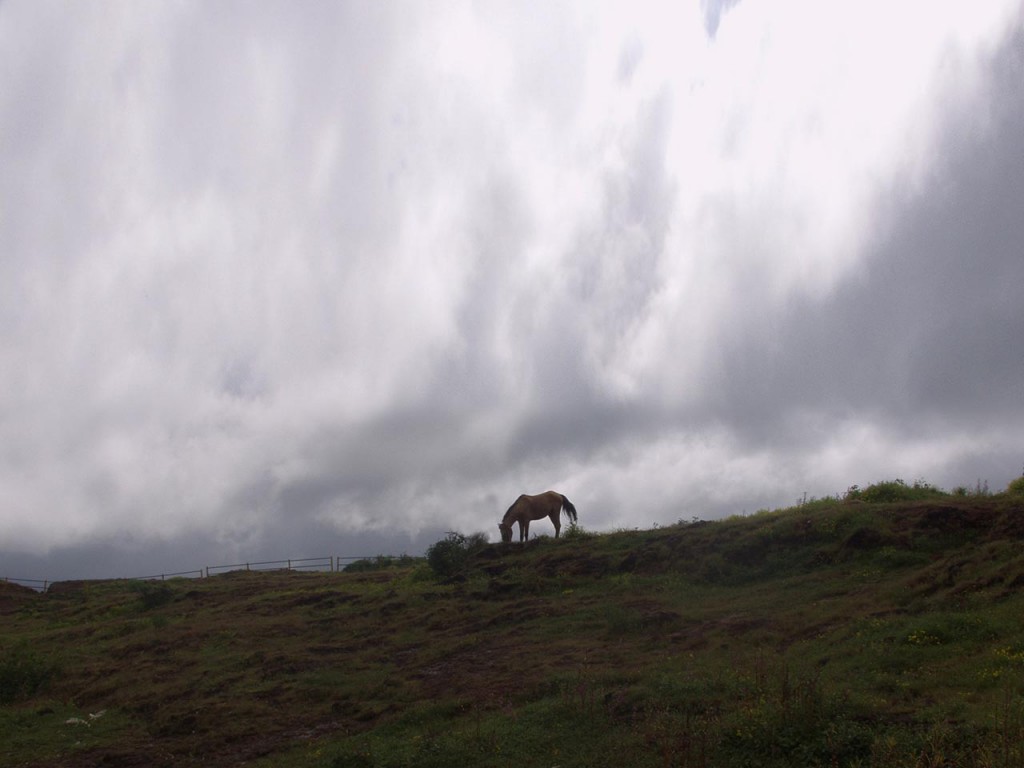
(527, 508)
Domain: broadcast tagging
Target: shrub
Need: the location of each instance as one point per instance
(895, 490)
(1016, 487)
(151, 594)
(980, 489)
(22, 674)
(380, 563)
(449, 557)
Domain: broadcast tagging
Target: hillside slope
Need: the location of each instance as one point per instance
(834, 634)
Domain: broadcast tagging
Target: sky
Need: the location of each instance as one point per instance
(285, 280)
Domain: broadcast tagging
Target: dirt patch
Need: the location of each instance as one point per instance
(700, 635)
(479, 674)
(574, 564)
(649, 560)
(494, 674)
(114, 757)
(865, 538)
(325, 599)
(956, 520)
(1010, 524)
(62, 588)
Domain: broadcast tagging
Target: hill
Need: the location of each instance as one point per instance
(840, 633)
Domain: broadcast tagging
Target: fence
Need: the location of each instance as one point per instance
(304, 563)
(36, 584)
(179, 575)
(331, 564)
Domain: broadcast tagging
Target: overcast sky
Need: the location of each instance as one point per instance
(285, 279)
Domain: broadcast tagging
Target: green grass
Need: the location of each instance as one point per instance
(842, 632)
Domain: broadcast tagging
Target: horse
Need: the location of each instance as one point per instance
(527, 508)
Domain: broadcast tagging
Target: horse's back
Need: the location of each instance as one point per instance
(536, 506)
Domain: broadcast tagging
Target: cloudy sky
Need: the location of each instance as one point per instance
(288, 279)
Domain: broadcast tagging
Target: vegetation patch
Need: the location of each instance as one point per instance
(449, 558)
(839, 633)
(23, 673)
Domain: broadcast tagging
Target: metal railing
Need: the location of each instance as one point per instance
(39, 585)
(334, 563)
(163, 576)
(302, 563)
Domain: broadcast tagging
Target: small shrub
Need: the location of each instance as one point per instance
(23, 674)
(449, 557)
(152, 594)
(1016, 487)
(980, 489)
(380, 563)
(889, 491)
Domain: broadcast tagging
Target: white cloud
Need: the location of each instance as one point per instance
(381, 268)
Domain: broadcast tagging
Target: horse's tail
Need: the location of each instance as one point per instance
(570, 510)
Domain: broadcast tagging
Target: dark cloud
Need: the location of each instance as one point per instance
(926, 332)
(284, 279)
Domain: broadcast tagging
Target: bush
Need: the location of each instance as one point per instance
(22, 675)
(151, 594)
(889, 491)
(449, 557)
(1016, 487)
(380, 563)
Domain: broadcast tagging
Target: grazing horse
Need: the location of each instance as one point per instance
(527, 508)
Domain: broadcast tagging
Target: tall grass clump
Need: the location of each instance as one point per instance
(575, 532)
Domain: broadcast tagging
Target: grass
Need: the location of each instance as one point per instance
(841, 632)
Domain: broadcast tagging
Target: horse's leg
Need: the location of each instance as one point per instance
(556, 522)
(524, 531)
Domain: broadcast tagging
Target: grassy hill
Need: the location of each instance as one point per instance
(855, 632)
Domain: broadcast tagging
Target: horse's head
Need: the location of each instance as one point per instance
(506, 532)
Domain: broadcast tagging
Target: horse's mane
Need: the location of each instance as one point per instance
(508, 512)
